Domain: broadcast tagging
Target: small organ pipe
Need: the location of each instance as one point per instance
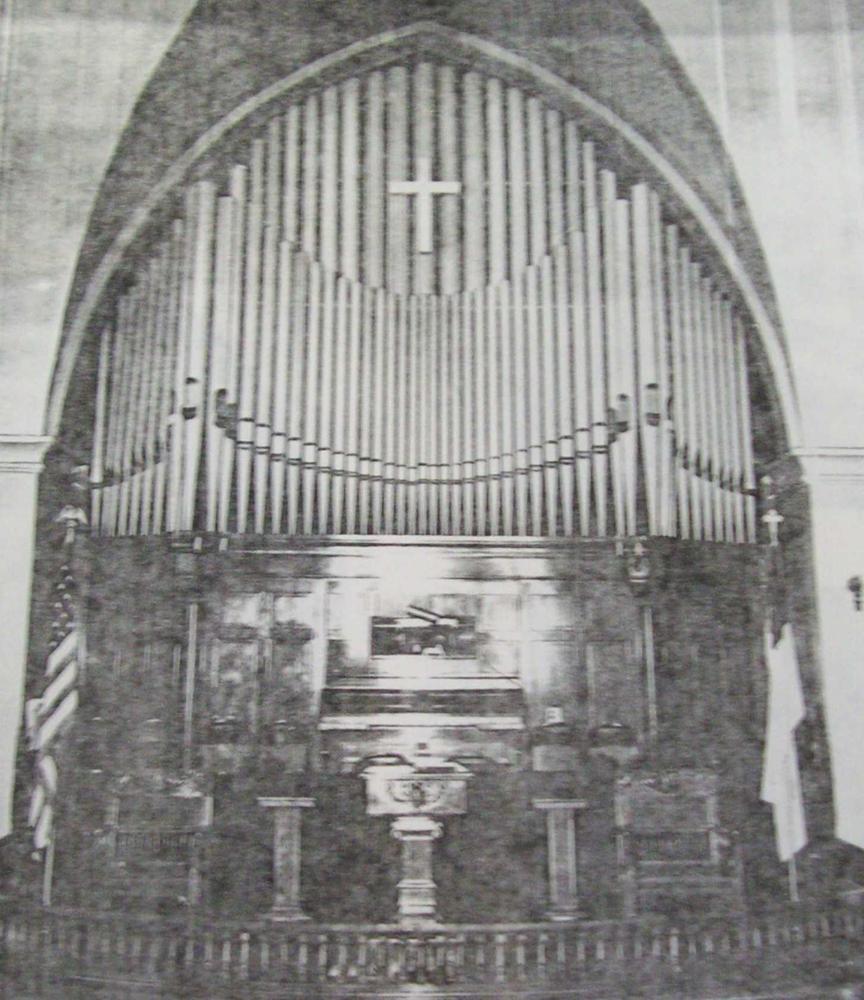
(623, 403)
(374, 468)
(323, 437)
(535, 427)
(745, 431)
(516, 190)
(297, 355)
(679, 384)
(312, 400)
(234, 321)
(350, 160)
(645, 404)
(694, 394)
(536, 180)
(374, 211)
(480, 450)
(548, 360)
(218, 355)
(505, 344)
(563, 370)
(199, 330)
(467, 380)
(280, 387)
(599, 405)
(666, 482)
(581, 381)
(250, 335)
(343, 442)
(269, 279)
(97, 464)
(167, 406)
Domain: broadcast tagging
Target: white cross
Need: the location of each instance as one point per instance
(773, 519)
(424, 188)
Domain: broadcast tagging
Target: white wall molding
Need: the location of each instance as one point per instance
(21, 458)
(23, 453)
(832, 464)
(835, 476)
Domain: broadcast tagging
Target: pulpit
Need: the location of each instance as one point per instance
(414, 794)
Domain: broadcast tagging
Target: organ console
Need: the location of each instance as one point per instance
(291, 357)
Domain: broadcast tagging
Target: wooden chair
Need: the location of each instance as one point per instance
(673, 854)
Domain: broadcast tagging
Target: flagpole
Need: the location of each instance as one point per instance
(48, 873)
(792, 870)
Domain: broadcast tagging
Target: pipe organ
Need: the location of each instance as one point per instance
(414, 399)
(423, 303)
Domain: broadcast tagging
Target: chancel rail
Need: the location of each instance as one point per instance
(48, 949)
(289, 359)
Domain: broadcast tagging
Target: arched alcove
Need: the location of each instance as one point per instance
(483, 491)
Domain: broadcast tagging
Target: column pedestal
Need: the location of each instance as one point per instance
(286, 856)
(561, 834)
(417, 903)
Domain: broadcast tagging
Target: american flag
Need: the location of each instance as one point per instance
(47, 717)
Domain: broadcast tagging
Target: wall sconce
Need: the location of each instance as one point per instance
(854, 585)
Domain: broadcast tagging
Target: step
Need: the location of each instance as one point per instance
(418, 720)
(420, 666)
(475, 682)
(354, 701)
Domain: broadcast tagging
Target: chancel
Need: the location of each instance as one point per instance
(440, 521)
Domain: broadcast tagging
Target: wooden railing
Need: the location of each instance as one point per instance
(51, 946)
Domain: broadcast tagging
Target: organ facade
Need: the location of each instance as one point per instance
(331, 341)
(425, 400)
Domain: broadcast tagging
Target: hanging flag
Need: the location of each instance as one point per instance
(47, 717)
(781, 781)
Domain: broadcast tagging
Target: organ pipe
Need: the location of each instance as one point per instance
(693, 394)
(599, 405)
(666, 482)
(249, 336)
(279, 438)
(548, 360)
(97, 470)
(264, 426)
(508, 467)
(563, 366)
(285, 360)
(298, 362)
(678, 385)
(745, 433)
(645, 403)
(615, 297)
(344, 425)
(218, 354)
